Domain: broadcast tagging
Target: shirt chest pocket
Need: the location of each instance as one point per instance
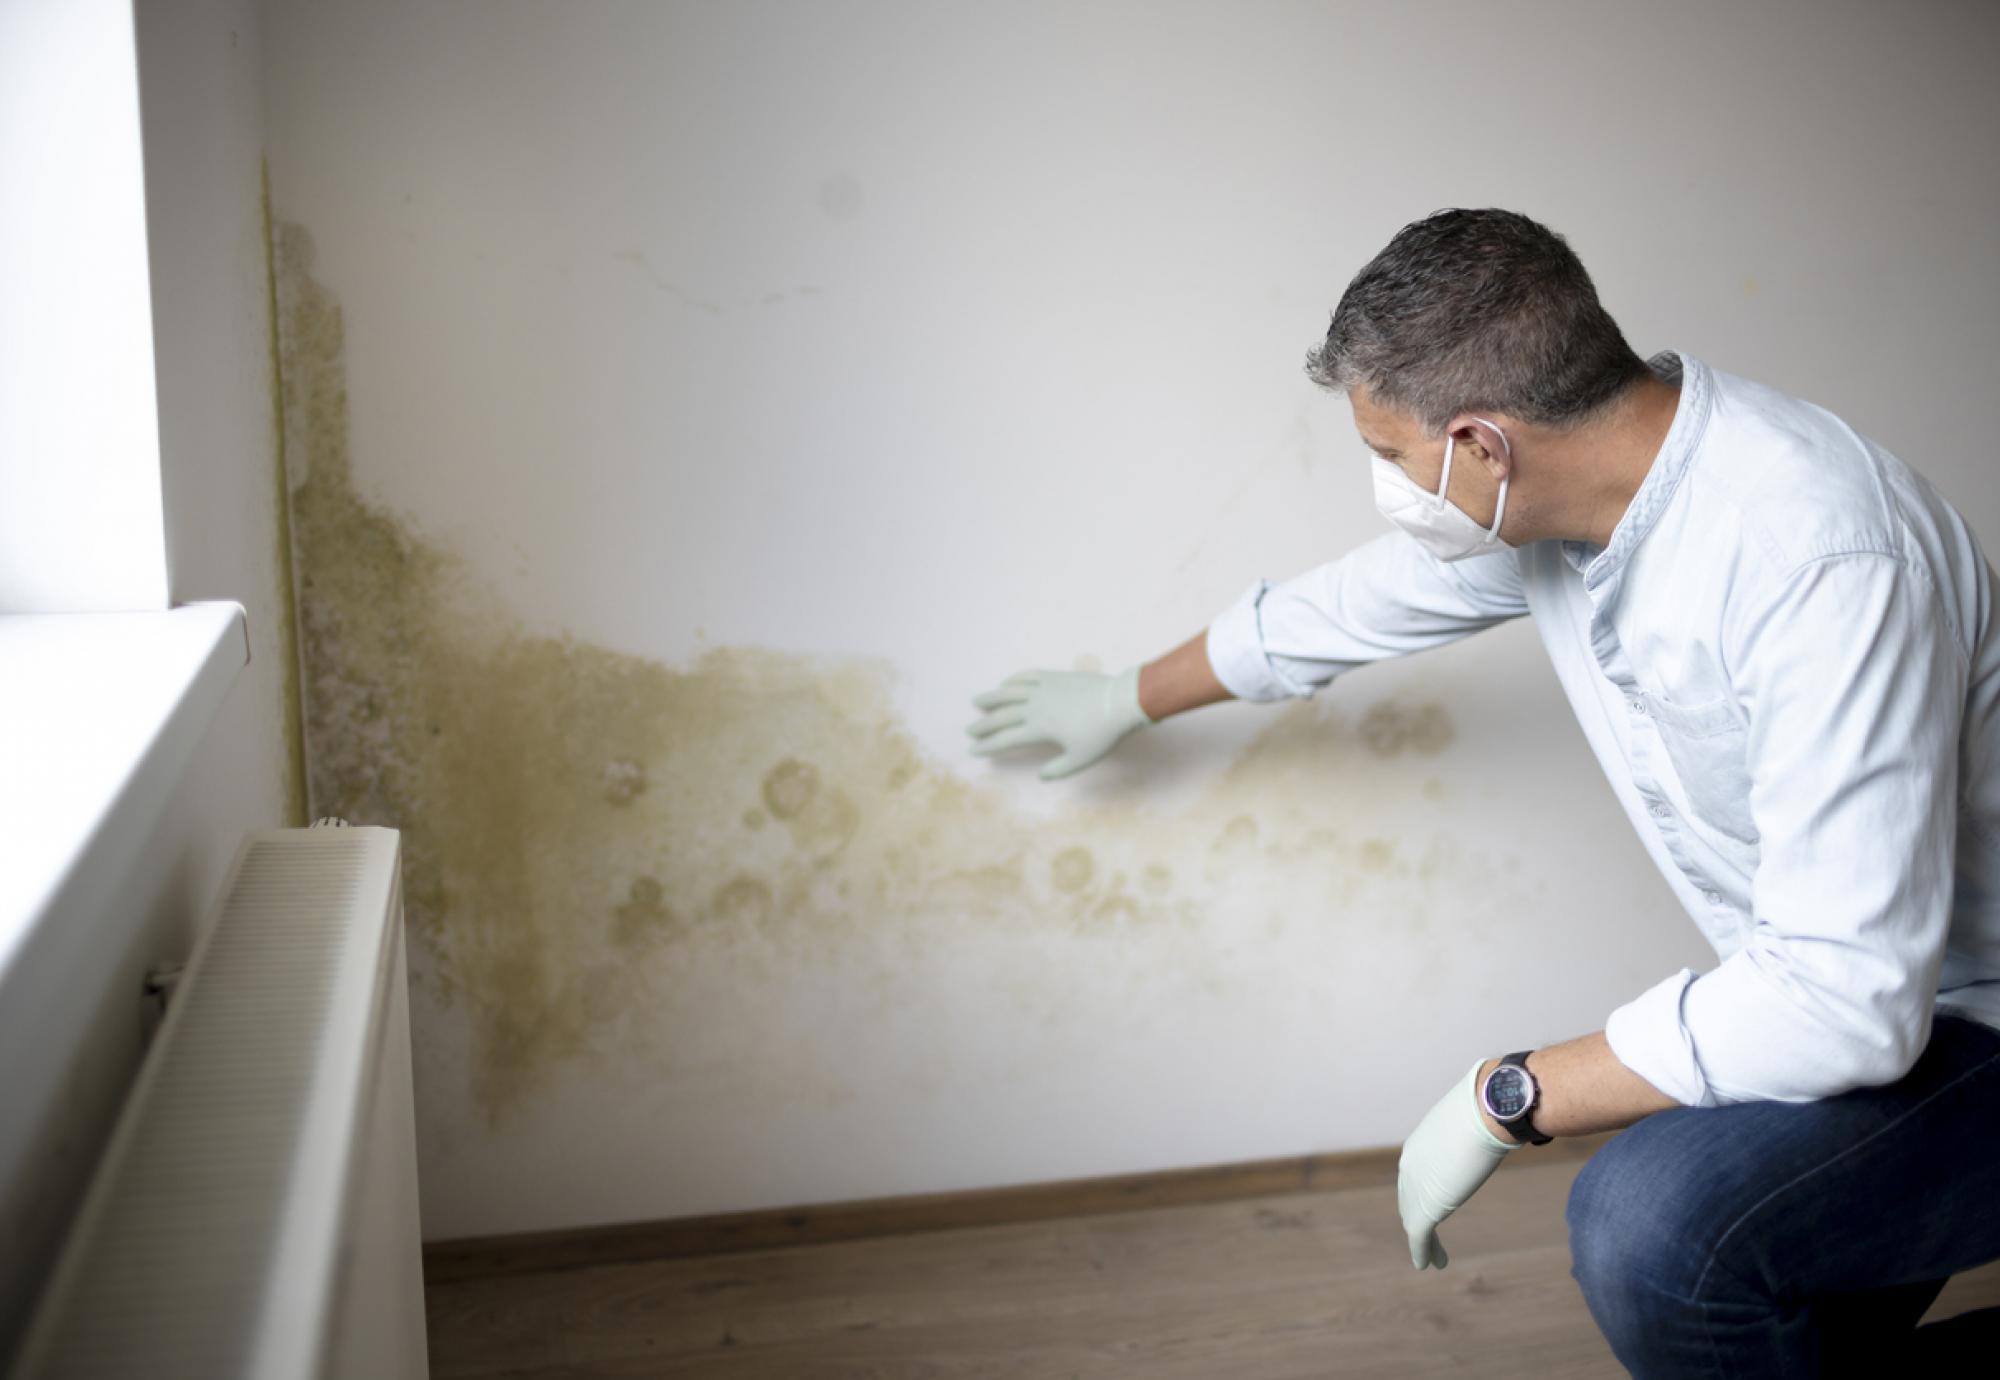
(1708, 746)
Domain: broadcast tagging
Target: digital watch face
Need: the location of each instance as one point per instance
(1507, 1092)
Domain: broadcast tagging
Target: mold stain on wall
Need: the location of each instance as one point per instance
(608, 858)
(290, 691)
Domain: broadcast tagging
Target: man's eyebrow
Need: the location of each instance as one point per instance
(1377, 447)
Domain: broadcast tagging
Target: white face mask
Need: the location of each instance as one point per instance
(1444, 529)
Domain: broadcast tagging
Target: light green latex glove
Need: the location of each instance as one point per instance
(1445, 1160)
(1084, 713)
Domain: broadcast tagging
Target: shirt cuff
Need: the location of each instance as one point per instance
(1236, 653)
(1650, 1037)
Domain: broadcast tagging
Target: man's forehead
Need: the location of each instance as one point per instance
(1381, 428)
(1367, 411)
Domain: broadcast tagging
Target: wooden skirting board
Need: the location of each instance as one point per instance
(765, 1228)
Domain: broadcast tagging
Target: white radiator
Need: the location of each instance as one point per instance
(255, 1213)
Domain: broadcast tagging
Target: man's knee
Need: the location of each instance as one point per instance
(1638, 1220)
(1599, 1219)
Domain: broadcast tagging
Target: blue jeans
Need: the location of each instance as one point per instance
(1790, 1239)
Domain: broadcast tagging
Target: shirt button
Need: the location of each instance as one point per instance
(1712, 897)
(1659, 812)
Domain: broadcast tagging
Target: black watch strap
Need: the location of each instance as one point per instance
(1522, 1128)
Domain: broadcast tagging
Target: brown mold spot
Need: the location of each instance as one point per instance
(623, 782)
(1378, 855)
(643, 916)
(1391, 726)
(1237, 836)
(991, 884)
(790, 787)
(1072, 869)
(741, 901)
(1115, 908)
(822, 821)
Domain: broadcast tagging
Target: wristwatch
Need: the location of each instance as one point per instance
(1510, 1095)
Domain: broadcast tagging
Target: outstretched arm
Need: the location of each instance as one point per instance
(1385, 598)
(1182, 679)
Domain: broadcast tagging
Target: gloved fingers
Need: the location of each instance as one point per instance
(1425, 1248)
(1007, 738)
(1061, 765)
(997, 720)
(1024, 678)
(1001, 696)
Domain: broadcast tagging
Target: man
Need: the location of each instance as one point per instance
(1781, 644)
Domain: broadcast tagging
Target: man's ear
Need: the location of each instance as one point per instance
(1482, 437)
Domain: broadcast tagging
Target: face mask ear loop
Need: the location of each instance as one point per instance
(1500, 507)
(1499, 511)
(1444, 481)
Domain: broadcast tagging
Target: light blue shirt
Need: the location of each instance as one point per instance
(1787, 662)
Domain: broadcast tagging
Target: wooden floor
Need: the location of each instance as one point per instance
(1276, 1287)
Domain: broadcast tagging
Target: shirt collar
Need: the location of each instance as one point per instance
(1601, 564)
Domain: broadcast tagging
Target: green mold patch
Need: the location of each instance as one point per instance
(615, 860)
(294, 784)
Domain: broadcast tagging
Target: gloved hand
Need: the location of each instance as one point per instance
(1445, 1160)
(1084, 713)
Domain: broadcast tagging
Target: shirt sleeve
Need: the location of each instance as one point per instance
(1853, 686)
(1385, 598)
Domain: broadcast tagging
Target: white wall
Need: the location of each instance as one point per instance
(964, 338)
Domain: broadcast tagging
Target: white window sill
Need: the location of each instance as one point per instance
(99, 714)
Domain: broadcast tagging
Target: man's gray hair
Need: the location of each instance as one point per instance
(1483, 311)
